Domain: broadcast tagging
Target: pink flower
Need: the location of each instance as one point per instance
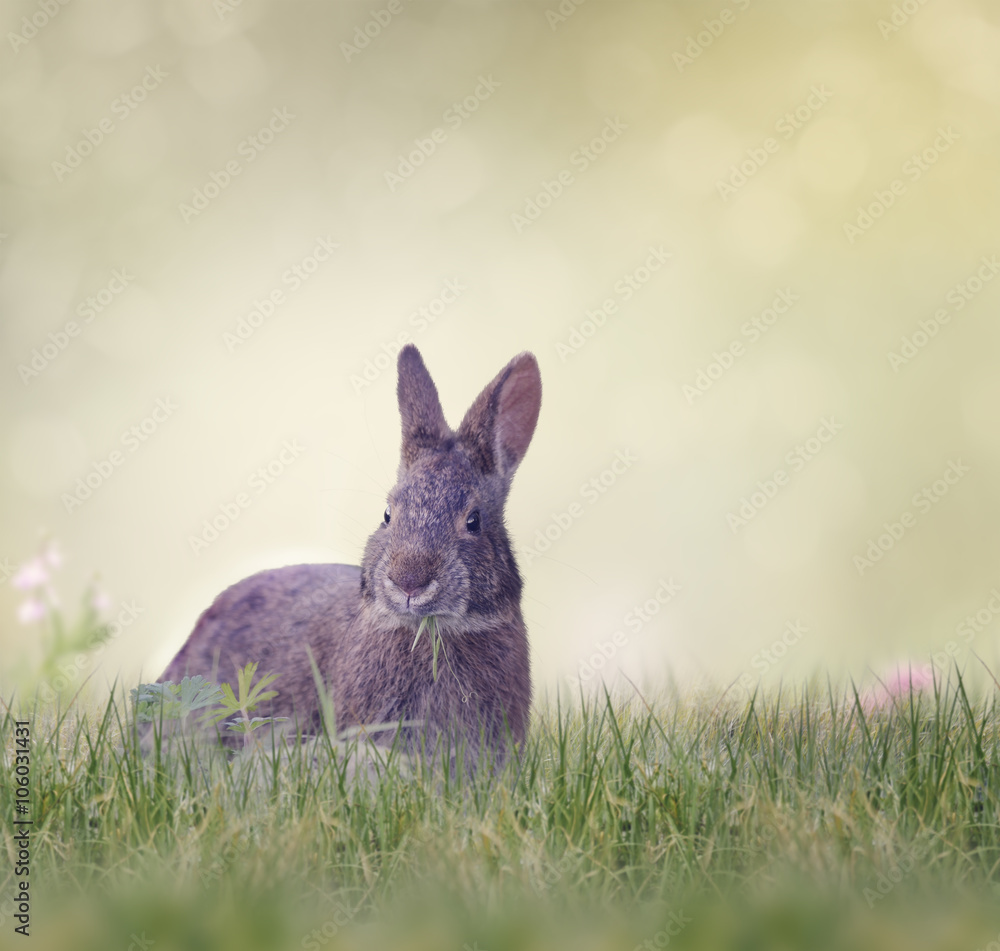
(32, 574)
(896, 686)
(52, 554)
(31, 610)
(35, 573)
(99, 600)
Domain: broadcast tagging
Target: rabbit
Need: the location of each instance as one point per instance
(441, 551)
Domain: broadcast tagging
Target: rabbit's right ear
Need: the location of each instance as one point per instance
(500, 423)
(424, 426)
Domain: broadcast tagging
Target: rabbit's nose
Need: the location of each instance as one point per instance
(411, 580)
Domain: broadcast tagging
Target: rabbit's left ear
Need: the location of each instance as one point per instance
(499, 425)
(419, 407)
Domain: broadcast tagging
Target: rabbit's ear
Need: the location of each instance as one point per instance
(500, 423)
(424, 426)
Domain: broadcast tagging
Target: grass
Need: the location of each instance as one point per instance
(792, 820)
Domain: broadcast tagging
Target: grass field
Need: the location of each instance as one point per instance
(796, 821)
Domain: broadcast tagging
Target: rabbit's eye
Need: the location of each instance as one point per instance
(388, 514)
(472, 522)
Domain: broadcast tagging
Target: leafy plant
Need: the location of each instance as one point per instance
(173, 701)
(177, 701)
(244, 703)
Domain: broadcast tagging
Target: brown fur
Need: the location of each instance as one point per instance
(360, 623)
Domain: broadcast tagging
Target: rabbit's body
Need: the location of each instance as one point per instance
(442, 552)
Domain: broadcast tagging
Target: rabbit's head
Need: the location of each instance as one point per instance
(442, 548)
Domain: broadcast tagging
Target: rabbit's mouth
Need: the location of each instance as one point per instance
(416, 603)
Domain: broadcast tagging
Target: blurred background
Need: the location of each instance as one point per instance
(752, 246)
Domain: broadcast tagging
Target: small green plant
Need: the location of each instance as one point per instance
(244, 703)
(171, 701)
